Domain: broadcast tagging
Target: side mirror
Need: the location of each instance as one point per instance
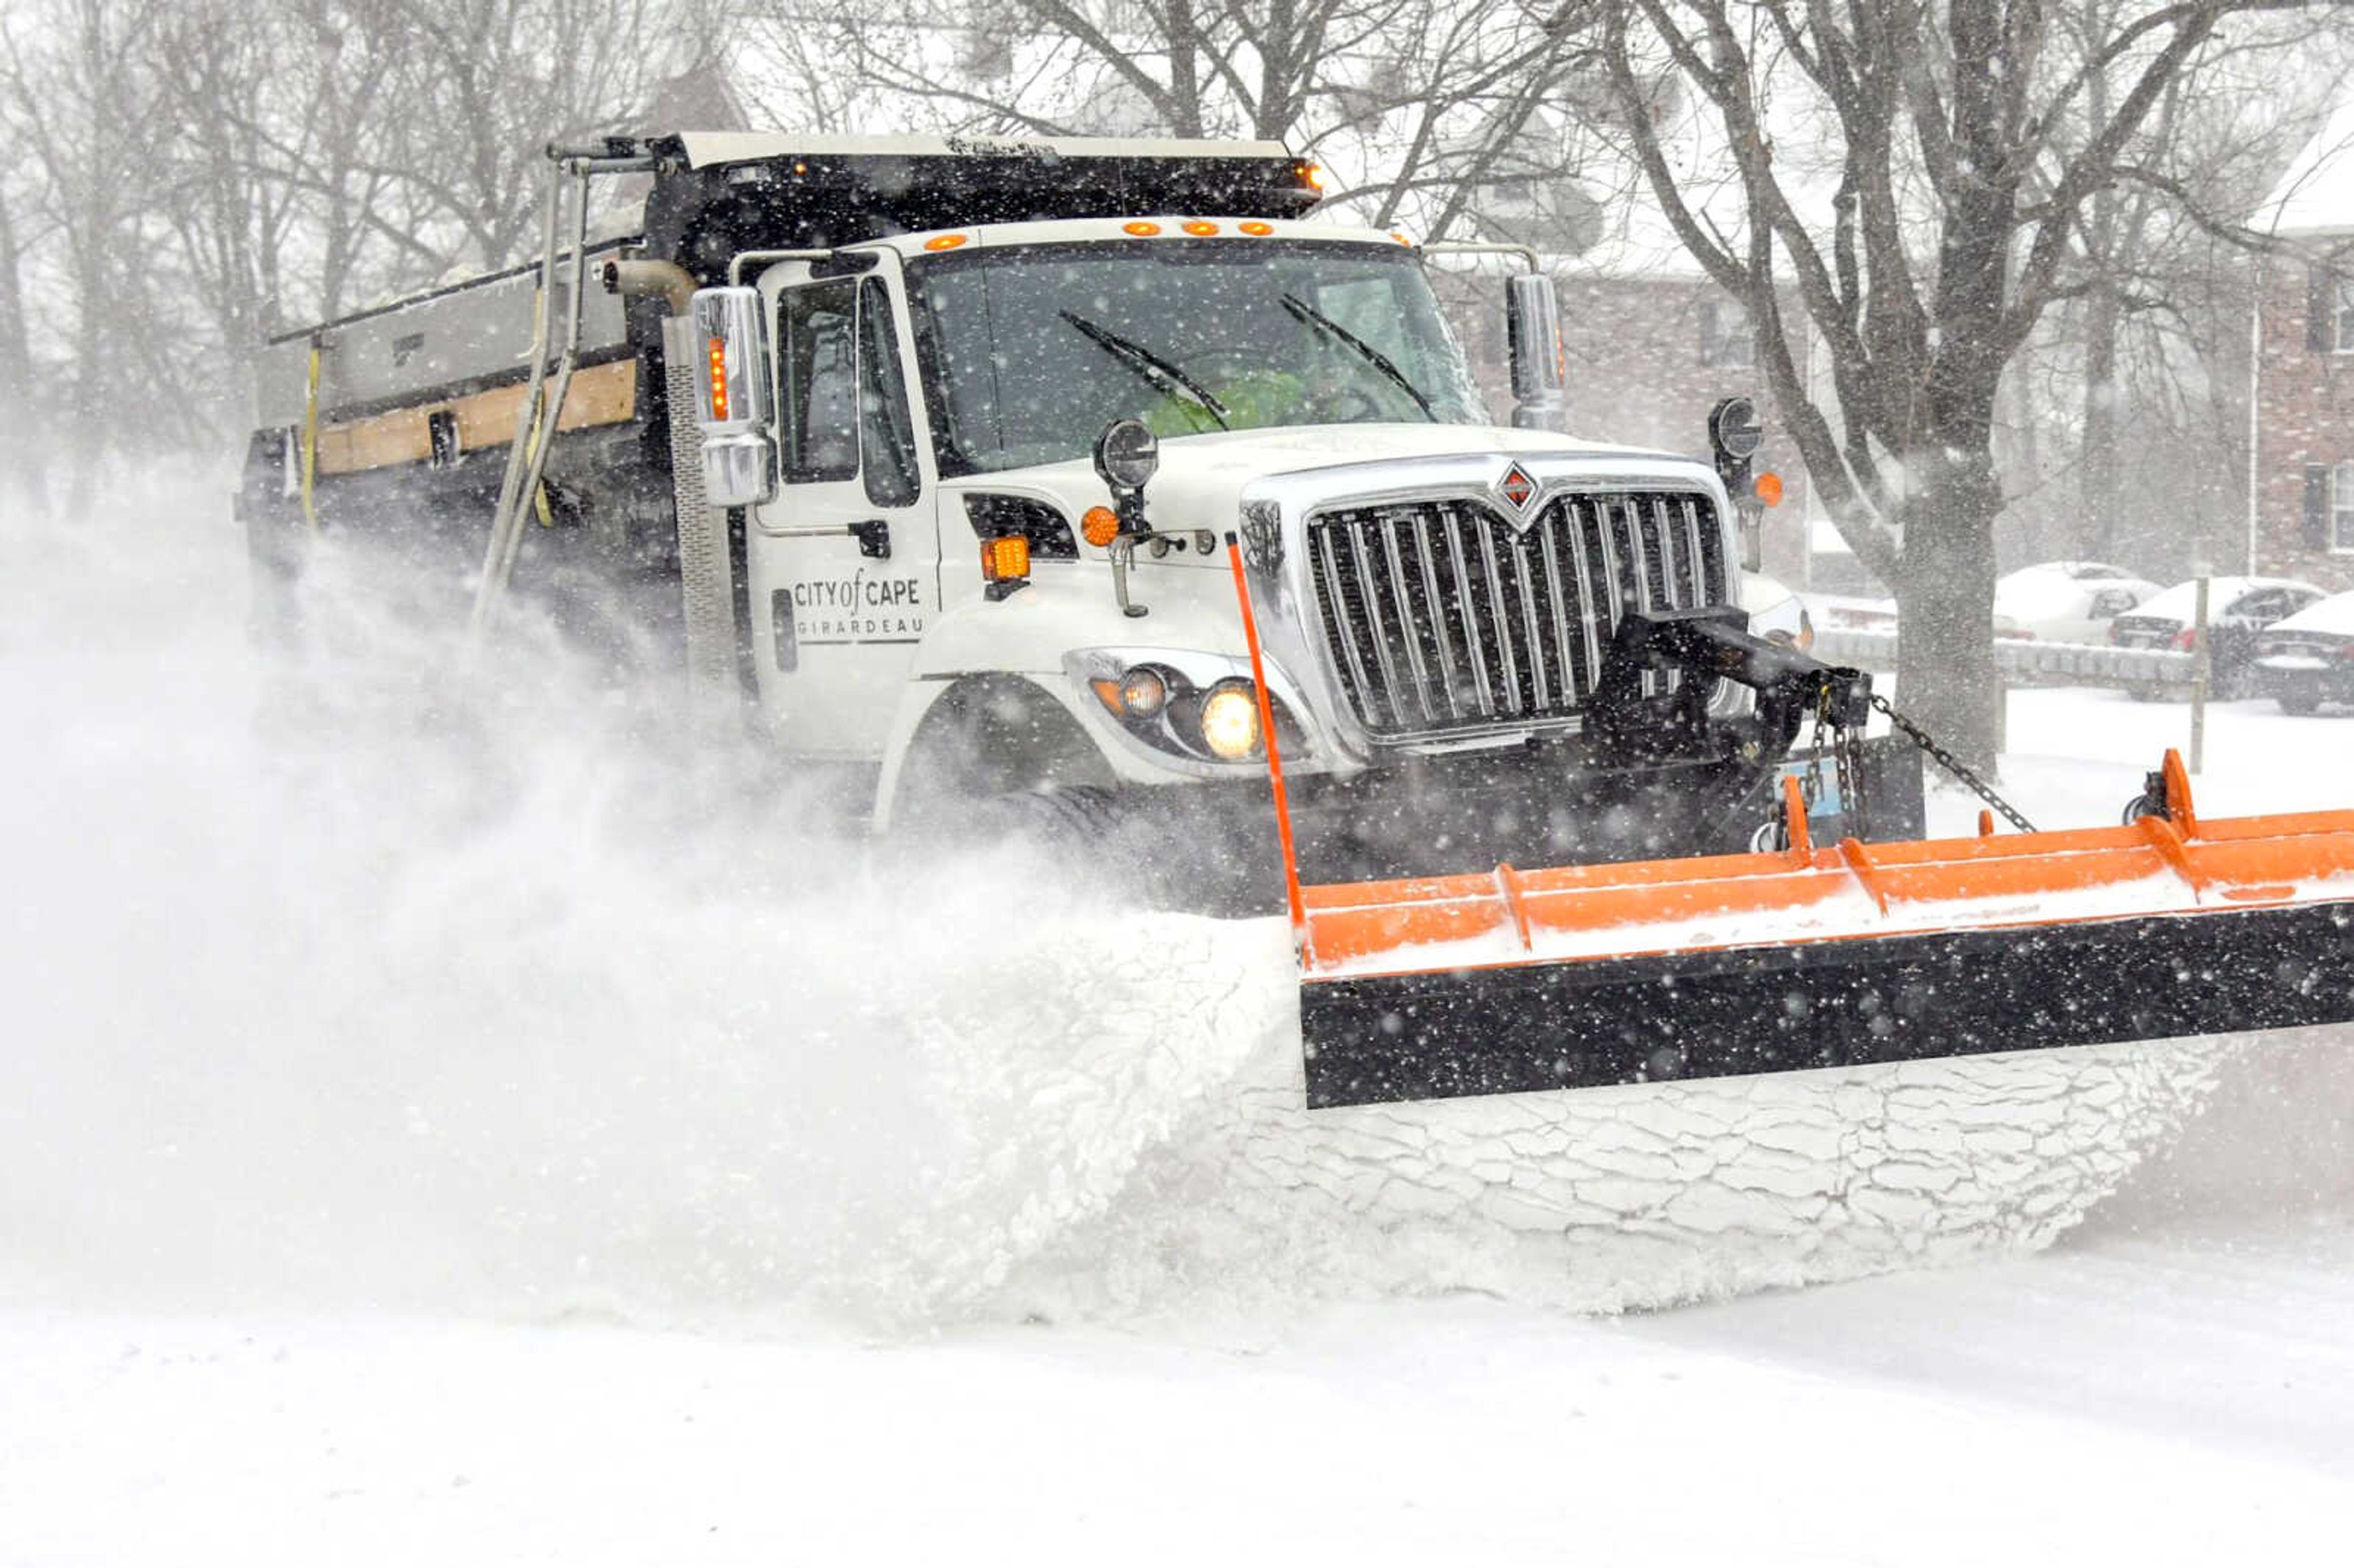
(1540, 372)
(732, 396)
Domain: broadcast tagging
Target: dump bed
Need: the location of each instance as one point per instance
(712, 195)
(440, 345)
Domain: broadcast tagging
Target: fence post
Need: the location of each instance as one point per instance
(2198, 673)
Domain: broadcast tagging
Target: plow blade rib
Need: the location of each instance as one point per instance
(1581, 976)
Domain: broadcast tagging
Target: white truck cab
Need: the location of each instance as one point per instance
(972, 424)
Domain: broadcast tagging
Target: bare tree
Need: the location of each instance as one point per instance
(2161, 325)
(1419, 106)
(22, 471)
(482, 85)
(79, 103)
(1923, 244)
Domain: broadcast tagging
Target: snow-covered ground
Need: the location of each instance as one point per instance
(429, 1140)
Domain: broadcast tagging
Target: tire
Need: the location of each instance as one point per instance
(2142, 693)
(2299, 699)
(1071, 820)
(1113, 839)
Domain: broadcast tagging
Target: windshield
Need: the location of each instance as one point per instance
(1030, 352)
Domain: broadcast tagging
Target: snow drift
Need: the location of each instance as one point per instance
(373, 979)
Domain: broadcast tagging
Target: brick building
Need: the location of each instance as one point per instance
(2302, 513)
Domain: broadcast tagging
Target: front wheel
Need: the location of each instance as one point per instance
(2299, 699)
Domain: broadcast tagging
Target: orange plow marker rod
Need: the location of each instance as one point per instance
(1296, 900)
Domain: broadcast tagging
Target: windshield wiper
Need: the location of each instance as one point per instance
(1160, 372)
(1305, 312)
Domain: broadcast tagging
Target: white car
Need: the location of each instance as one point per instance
(2054, 601)
(2073, 571)
(2065, 601)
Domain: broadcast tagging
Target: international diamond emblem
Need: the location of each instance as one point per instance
(1517, 487)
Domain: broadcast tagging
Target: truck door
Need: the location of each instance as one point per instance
(843, 565)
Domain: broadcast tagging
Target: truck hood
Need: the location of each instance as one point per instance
(1202, 477)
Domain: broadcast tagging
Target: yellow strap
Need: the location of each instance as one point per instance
(310, 443)
(539, 494)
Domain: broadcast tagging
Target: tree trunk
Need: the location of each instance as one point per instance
(2097, 529)
(1947, 680)
(23, 473)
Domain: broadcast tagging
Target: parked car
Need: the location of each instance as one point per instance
(2073, 571)
(2066, 601)
(1776, 613)
(2238, 609)
(1841, 612)
(2055, 602)
(2307, 658)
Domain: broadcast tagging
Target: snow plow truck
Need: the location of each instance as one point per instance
(1090, 486)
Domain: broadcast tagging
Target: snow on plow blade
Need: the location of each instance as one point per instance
(1721, 966)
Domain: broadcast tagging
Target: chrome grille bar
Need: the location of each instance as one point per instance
(1563, 656)
(1531, 624)
(1410, 636)
(1436, 608)
(1336, 606)
(1371, 584)
(1464, 596)
(1500, 621)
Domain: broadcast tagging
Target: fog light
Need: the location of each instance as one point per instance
(1230, 721)
(1142, 692)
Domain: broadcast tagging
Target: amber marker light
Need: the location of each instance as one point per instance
(1256, 228)
(1005, 560)
(1401, 238)
(1099, 525)
(1768, 486)
(1199, 227)
(718, 380)
(1312, 176)
(1141, 228)
(945, 241)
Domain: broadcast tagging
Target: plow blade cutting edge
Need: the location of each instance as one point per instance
(1719, 966)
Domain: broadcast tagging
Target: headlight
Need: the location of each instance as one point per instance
(1201, 709)
(1230, 721)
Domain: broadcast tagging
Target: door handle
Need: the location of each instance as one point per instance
(874, 535)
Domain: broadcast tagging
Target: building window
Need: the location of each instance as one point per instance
(2330, 508)
(2328, 312)
(1725, 338)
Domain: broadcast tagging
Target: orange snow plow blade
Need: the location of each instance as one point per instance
(1507, 981)
(1582, 976)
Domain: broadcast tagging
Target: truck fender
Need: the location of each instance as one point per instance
(1030, 734)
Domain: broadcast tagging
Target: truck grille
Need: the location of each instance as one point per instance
(1441, 617)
